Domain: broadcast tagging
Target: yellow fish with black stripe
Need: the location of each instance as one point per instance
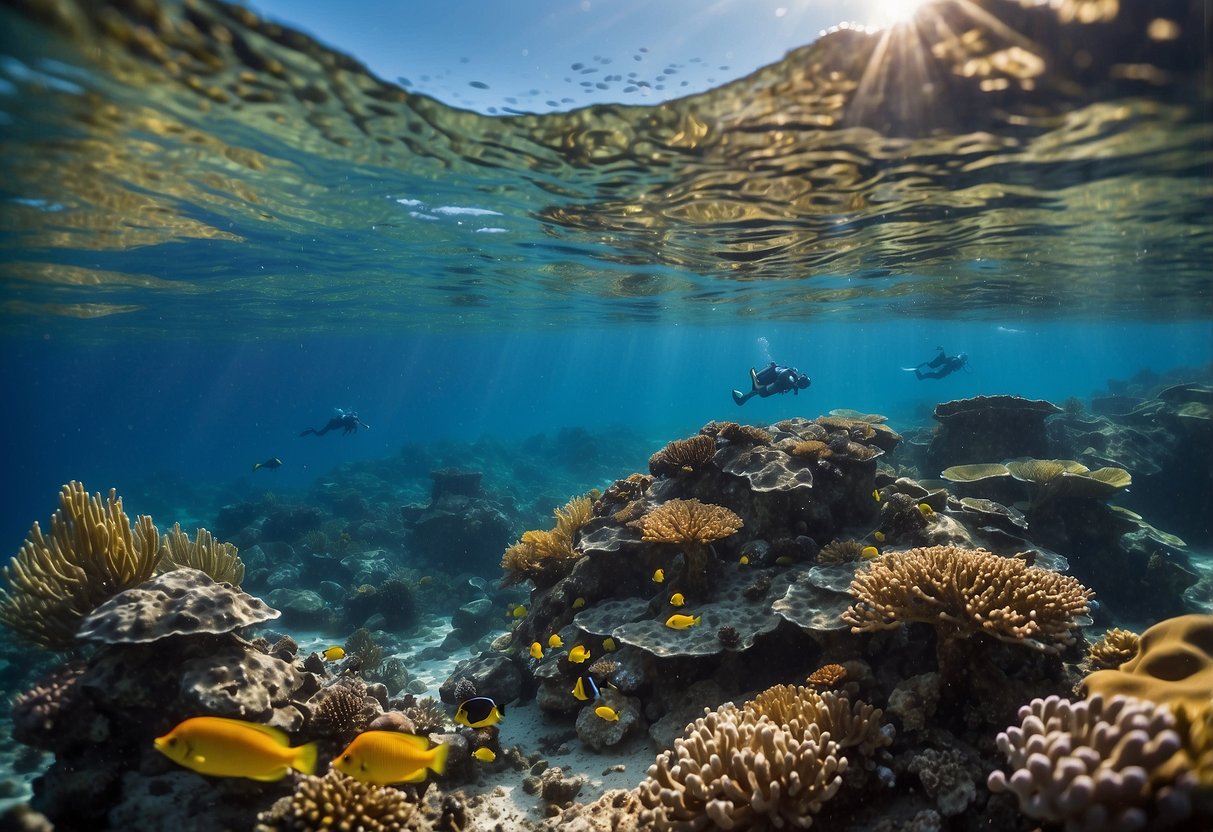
(385, 757)
(479, 712)
(222, 747)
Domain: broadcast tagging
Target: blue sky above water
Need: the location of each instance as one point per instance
(554, 54)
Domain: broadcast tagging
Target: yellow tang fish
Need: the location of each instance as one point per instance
(869, 552)
(518, 611)
(536, 650)
(385, 757)
(681, 622)
(659, 576)
(744, 560)
(606, 713)
(224, 747)
(334, 654)
(926, 510)
(485, 755)
(479, 712)
(609, 645)
(579, 654)
(578, 603)
(879, 537)
(876, 495)
(677, 599)
(555, 641)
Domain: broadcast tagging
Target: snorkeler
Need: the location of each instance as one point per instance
(773, 379)
(348, 422)
(939, 366)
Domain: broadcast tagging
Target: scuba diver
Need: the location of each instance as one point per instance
(939, 366)
(348, 422)
(773, 379)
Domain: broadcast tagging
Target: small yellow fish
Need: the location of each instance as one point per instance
(485, 755)
(425, 580)
(609, 645)
(578, 603)
(869, 552)
(334, 654)
(579, 654)
(926, 510)
(784, 561)
(745, 560)
(876, 495)
(518, 611)
(385, 757)
(607, 713)
(536, 650)
(224, 747)
(879, 537)
(681, 622)
(677, 599)
(479, 712)
(555, 641)
(659, 576)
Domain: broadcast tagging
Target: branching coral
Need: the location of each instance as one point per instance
(850, 725)
(547, 556)
(683, 456)
(1095, 765)
(739, 770)
(219, 560)
(963, 592)
(692, 525)
(811, 449)
(828, 676)
(426, 714)
(92, 554)
(335, 801)
(1115, 648)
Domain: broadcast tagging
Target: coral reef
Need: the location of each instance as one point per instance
(545, 557)
(1114, 648)
(219, 560)
(92, 554)
(1094, 765)
(965, 592)
(336, 801)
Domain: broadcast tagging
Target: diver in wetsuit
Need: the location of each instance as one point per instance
(773, 379)
(348, 422)
(940, 366)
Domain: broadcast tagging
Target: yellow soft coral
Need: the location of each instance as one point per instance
(219, 560)
(693, 526)
(967, 591)
(547, 556)
(92, 554)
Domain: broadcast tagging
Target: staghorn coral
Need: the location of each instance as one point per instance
(547, 556)
(338, 802)
(963, 592)
(1115, 648)
(794, 708)
(738, 770)
(828, 676)
(219, 560)
(1094, 765)
(683, 456)
(840, 551)
(93, 553)
(693, 525)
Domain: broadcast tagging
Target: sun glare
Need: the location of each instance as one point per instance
(884, 14)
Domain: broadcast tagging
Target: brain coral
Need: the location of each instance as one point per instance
(181, 602)
(1095, 765)
(1173, 665)
(92, 554)
(968, 591)
(739, 770)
